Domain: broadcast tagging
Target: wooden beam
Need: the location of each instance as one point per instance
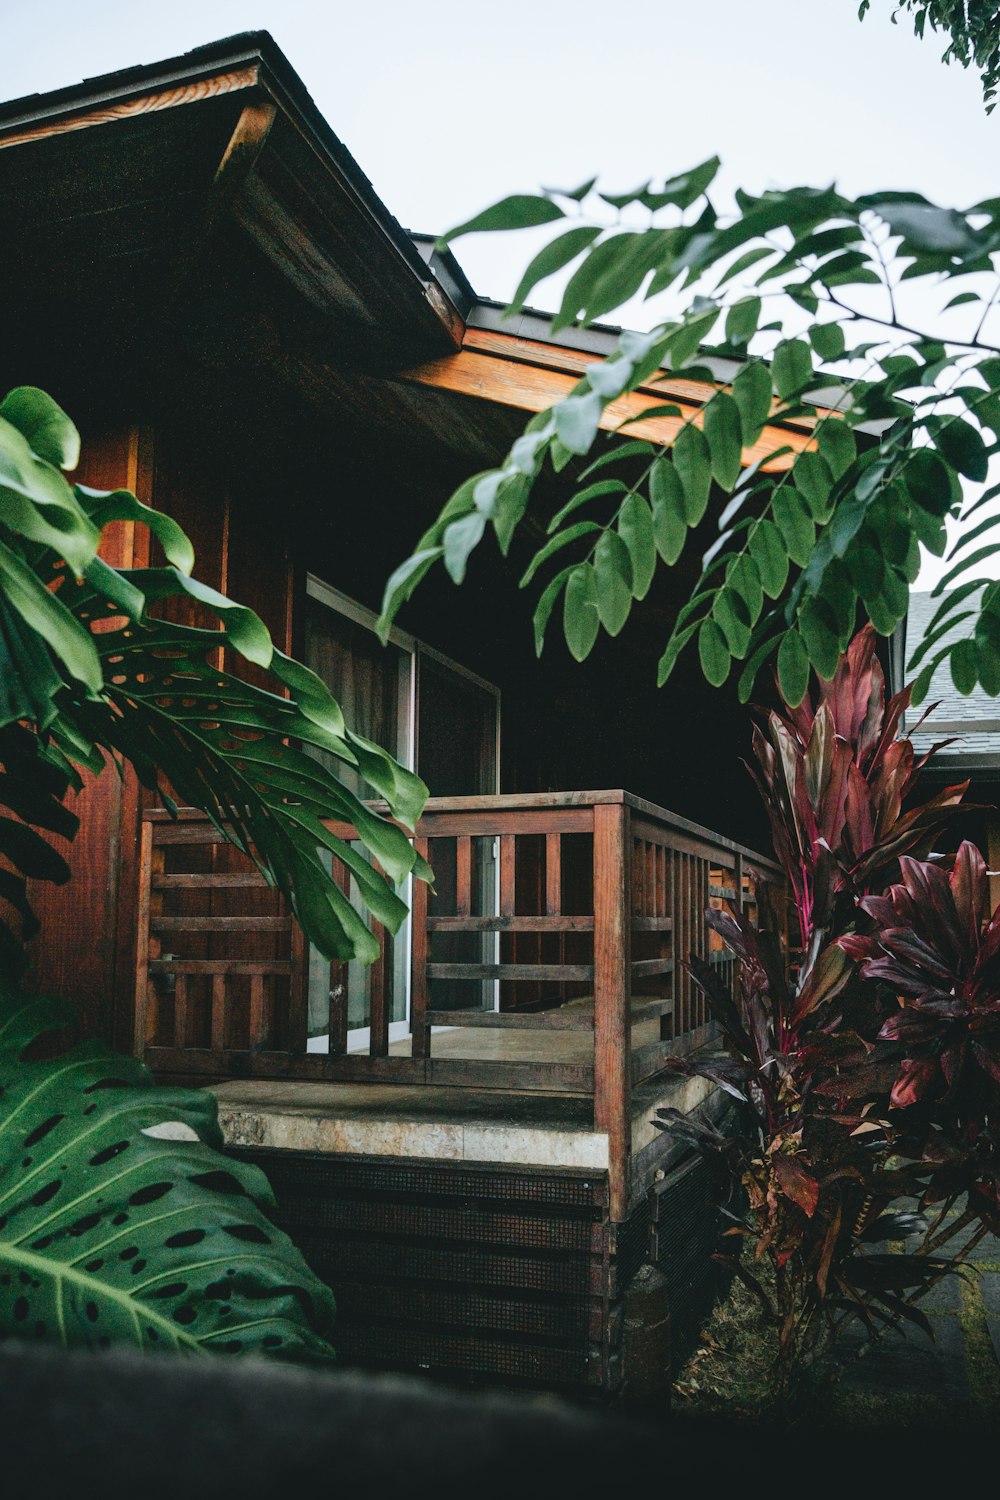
(531, 386)
(188, 93)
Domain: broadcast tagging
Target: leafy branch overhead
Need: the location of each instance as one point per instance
(87, 669)
(974, 29)
(790, 317)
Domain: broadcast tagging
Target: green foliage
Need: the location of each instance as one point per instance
(811, 538)
(974, 27)
(87, 670)
(120, 1220)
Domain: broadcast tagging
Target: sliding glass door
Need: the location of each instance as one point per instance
(440, 719)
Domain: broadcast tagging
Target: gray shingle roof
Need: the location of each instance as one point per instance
(973, 720)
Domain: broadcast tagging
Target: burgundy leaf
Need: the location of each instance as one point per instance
(915, 1078)
(796, 1183)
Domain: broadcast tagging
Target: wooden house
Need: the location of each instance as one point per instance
(461, 1138)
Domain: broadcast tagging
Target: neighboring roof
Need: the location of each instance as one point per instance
(973, 720)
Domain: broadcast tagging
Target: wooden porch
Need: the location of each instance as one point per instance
(574, 998)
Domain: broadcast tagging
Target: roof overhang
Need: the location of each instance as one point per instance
(204, 203)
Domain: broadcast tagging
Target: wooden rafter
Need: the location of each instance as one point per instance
(532, 376)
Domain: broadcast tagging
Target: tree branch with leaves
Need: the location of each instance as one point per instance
(792, 308)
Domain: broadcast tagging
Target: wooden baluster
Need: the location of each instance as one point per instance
(507, 876)
(378, 1043)
(218, 1012)
(703, 930)
(146, 1006)
(420, 1045)
(181, 1010)
(258, 1013)
(339, 980)
(553, 894)
(612, 984)
(740, 904)
(463, 875)
(683, 944)
(298, 992)
(553, 874)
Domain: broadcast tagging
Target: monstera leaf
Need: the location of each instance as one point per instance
(121, 1222)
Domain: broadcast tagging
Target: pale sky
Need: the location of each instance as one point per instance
(449, 105)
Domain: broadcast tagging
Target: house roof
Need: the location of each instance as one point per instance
(973, 719)
(204, 202)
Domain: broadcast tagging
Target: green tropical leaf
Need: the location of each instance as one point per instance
(44, 613)
(828, 340)
(795, 525)
(551, 258)
(693, 463)
(122, 1223)
(767, 548)
(961, 445)
(613, 577)
(635, 526)
(43, 424)
(519, 211)
(670, 528)
(577, 420)
(837, 444)
(583, 497)
(546, 604)
(965, 666)
(459, 540)
(581, 621)
(713, 652)
(793, 669)
(105, 506)
(752, 394)
(401, 584)
(39, 505)
(814, 481)
(730, 610)
(820, 639)
(791, 367)
(742, 319)
(724, 434)
(555, 544)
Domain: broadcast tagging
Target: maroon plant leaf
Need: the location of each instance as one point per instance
(988, 1057)
(830, 973)
(916, 1075)
(723, 1007)
(725, 1071)
(871, 1080)
(970, 892)
(796, 1183)
(910, 1026)
(915, 955)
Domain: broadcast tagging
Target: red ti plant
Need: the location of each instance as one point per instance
(934, 944)
(837, 781)
(801, 1048)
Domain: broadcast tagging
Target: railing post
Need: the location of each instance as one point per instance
(420, 1042)
(612, 987)
(146, 946)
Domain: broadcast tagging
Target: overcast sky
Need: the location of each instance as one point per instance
(449, 104)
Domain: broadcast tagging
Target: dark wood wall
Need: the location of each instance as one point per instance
(84, 950)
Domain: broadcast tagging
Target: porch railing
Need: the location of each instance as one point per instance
(548, 958)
